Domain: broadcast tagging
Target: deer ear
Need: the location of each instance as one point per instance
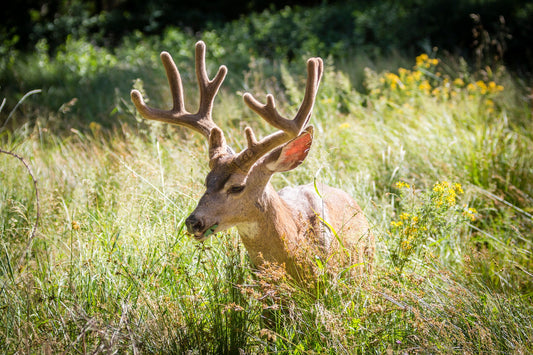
(292, 154)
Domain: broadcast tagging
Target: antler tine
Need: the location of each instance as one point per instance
(289, 128)
(201, 121)
(208, 88)
(315, 68)
(270, 114)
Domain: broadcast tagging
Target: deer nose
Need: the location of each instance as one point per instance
(194, 224)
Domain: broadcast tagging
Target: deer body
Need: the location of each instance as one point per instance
(290, 228)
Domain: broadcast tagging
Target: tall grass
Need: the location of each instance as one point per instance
(111, 269)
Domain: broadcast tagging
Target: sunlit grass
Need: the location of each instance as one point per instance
(111, 268)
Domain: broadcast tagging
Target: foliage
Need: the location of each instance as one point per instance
(500, 28)
(106, 22)
(427, 219)
(427, 80)
(70, 67)
(437, 152)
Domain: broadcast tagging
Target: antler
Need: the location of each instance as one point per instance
(289, 128)
(200, 121)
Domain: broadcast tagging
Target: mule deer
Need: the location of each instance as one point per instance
(288, 228)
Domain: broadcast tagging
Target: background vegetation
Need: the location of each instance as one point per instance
(424, 115)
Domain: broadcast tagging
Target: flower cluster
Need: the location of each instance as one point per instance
(425, 80)
(445, 193)
(426, 218)
(469, 212)
(424, 61)
(402, 185)
(409, 228)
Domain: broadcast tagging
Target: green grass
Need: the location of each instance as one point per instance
(111, 269)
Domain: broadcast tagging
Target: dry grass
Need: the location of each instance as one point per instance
(111, 269)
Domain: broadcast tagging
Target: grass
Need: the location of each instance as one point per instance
(111, 269)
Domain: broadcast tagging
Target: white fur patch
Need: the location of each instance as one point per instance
(249, 229)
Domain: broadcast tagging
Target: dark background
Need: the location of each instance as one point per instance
(111, 19)
(506, 26)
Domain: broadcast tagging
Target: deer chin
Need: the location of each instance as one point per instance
(199, 238)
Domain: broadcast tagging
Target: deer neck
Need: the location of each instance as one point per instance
(274, 233)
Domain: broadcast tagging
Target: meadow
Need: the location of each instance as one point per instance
(94, 257)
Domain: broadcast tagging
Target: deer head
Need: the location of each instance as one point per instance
(237, 182)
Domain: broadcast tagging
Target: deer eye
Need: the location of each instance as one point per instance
(235, 189)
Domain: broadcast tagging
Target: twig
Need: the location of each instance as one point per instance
(29, 93)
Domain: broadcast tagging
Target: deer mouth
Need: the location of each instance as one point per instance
(206, 234)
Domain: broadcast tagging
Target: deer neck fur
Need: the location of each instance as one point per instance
(281, 232)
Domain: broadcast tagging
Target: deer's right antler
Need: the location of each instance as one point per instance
(200, 121)
(289, 128)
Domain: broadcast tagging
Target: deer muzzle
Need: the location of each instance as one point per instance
(196, 227)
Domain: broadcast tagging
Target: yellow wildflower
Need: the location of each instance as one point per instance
(421, 59)
(490, 106)
(459, 82)
(417, 75)
(425, 86)
(494, 88)
(482, 87)
(403, 72)
(446, 192)
(396, 223)
(402, 185)
(344, 125)
(95, 127)
(470, 213)
(404, 216)
(451, 198)
(394, 80)
(437, 187)
(406, 245)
